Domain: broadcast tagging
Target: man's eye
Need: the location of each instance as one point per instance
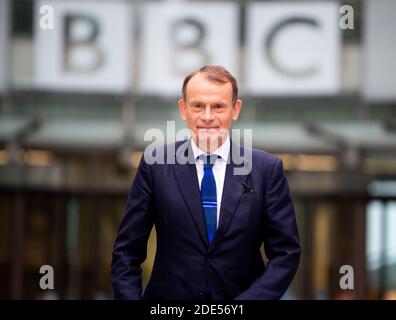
(197, 106)
(219, 106)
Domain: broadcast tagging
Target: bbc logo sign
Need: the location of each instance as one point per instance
(289, 48)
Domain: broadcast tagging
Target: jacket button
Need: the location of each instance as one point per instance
(201, 292)
(208, 259)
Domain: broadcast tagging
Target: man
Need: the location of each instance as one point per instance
(210, 222)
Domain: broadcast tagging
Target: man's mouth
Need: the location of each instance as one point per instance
(207, 128)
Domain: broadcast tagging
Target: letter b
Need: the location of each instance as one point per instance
(82, 52)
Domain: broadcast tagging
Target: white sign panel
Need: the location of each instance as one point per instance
(4, 29)
(88, 47)
(179, 38)
(379, 79)
(293, 48)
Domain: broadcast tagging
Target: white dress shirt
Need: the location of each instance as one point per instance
(219, 168)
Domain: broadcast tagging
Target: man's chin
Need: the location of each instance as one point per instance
(209, 143)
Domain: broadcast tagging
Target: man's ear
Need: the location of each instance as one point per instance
(237, 109)
(182, 109)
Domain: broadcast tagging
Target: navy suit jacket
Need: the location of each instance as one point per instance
(168, 196)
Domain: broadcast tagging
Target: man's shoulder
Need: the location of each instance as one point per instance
(265, 155)
(258, 162)
(164, 153)
(259, 155)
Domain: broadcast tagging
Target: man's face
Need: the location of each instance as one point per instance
(209, 111)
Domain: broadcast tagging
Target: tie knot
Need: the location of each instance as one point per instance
(208, 160)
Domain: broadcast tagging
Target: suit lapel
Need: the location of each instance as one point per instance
(232, 192)
(187, 179)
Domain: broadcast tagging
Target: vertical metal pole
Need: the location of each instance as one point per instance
(96, 217)
(72, 238)
(58, 244)
(308, 249)
(383, 276)
(360, 248)
(18, 220)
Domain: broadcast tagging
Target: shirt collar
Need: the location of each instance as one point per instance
(221, 151)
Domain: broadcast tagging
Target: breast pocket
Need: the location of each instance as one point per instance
(246, 216)
(249, 197)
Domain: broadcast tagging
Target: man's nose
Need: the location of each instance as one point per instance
(207, 114)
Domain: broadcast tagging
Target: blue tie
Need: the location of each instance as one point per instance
(209, 196)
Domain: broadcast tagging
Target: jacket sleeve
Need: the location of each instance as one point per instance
(130, 246)
(281, 241)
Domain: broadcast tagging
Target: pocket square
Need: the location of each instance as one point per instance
(246, 187)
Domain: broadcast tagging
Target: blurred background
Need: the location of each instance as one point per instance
(81, 81)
